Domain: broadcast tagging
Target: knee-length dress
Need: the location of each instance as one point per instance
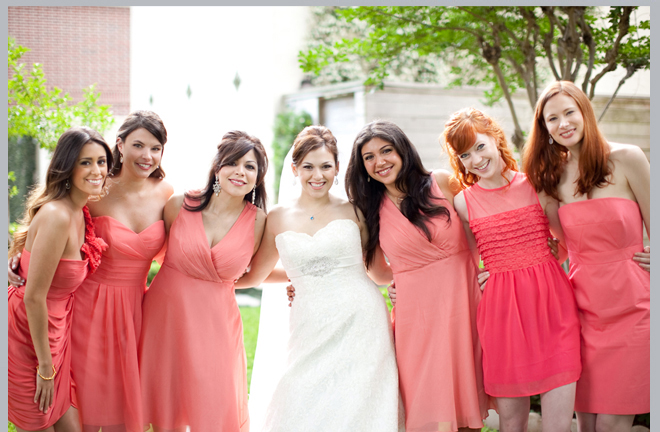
(107, 320)
(527, 319)
(613, 297)
(192, 358)
(70, 273)
(435, 334)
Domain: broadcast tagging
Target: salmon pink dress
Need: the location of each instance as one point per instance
(435, 333)
(613, 297)
(23, 412)
(192, 358)
(527, 319)
(107, 321)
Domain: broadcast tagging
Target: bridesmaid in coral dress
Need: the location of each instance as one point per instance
(604, 191)
(527, 319)
(192, 358)
(107, 314)
(60, 247)
(410, 215)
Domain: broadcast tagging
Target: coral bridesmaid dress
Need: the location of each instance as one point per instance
(435, 334)
(613, 297)
(527, 319)
(23, 412)
(192, 358)
(107, 321)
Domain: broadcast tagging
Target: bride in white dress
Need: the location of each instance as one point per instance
(340, 372)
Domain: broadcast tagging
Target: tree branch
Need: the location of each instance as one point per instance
(630, 71)
(397, 17)
(588, 39)
(492, 26)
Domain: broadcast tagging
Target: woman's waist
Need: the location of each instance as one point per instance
(408, 266)
(121, 271)
(171, 275)
(601, 257)
(55, 294)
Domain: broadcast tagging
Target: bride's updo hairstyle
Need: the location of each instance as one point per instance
(312, 138)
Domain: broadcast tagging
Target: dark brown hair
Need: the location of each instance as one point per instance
(61, 166)
(544, 163)
(151, 122)
(460, 134)
(234, 145)
(312, 138)
(413, 179)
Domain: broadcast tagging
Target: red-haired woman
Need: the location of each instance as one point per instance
(527, 320)
(604, 194)
(59, 249)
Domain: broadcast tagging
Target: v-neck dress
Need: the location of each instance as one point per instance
(613, 297)
(435, 331)
(107, 320)
(192, 359)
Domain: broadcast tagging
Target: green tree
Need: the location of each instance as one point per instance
(287, 125)
(37, 116)
(505, 48)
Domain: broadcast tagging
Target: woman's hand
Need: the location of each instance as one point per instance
(291, 292)
(391, 291)
(45, 388)
(553, 244)
(12, 277)
(644, 258)
(482, 277)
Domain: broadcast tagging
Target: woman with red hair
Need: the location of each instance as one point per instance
(604, 194)
(527, 297)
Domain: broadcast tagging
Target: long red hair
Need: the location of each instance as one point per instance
(460, 135)
(544, 162)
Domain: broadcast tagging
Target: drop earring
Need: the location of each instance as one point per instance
(336, 181)
(67, 184)
(368, 178)
(551, 140)
(253, 194)
(121, 158)
(294, 180)
(216, 187)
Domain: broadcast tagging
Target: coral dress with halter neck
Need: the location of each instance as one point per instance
(107, 320)
(527, 320)
(192, 359)
(70, 273)
(435, 332)
(613, 297)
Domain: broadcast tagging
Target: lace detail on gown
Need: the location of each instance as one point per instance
(341, 372)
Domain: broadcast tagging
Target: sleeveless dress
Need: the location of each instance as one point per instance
(527, 319)
(192, 359)
(23, 412)
(437, 346)
(107, 320)
(341, 370)
(613, 298)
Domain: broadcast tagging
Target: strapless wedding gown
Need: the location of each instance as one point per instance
(341, 372)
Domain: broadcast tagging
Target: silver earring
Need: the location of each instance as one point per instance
(551, 140)
(121, 158)
(368, 178)
(216, 187)
(67, 185)
(294, 181)
(336, 181)
(253, 194)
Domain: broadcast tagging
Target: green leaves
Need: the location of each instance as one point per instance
(44, 114)
(287, 126)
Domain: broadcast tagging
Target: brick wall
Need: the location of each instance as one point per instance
(78, 46)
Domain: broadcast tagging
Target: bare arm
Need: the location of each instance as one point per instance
(47, 249)
(264, 260)
(638, 173)
(551, 210)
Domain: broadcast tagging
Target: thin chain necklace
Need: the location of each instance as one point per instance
(395, 200)
(317, 210)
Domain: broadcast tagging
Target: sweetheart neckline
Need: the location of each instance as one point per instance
(319, 230)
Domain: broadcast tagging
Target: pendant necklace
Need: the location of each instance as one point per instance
(318, 211)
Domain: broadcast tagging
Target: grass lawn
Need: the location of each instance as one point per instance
(250, 316)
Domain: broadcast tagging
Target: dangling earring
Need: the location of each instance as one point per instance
(294, 180)
(121, 158)
(67, 185)
(368, 178)
(216, 187)
(253, 194)
(551, 141)
(336, 181)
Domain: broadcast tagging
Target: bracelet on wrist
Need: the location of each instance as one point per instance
(47, 378)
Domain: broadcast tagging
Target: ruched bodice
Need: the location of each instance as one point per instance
(106, 327)
(66, 280)
(613, 297)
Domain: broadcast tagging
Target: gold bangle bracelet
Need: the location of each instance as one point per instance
(47, 378)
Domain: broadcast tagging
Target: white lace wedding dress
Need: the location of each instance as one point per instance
(341, 372)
